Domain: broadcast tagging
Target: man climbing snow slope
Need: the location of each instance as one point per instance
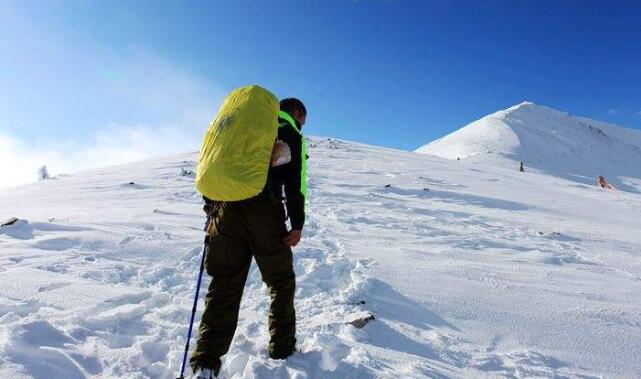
(238, 230)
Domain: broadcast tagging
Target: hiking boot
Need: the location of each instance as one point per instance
(203, 373)
(282, 354)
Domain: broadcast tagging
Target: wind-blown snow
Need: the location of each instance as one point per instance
(551, 141)
(470, 270)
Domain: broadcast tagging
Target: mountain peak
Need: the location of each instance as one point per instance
(527, 106)
(546, 139)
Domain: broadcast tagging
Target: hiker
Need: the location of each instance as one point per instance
(255, 227)
(601, 182)
(521, 167)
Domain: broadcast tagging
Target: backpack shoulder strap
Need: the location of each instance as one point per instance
(285, 116)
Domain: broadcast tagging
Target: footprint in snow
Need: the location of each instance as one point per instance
(57, 244)
(52, 287)
(126, 240)
(134, 185)
(41, 339)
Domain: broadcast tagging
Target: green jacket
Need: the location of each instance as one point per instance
(293, 175)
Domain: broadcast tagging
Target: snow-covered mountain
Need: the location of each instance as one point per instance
(470, 270)
(555, 142)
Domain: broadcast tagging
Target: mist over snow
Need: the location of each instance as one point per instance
(550, 141)
(91, 105)
(20, 160)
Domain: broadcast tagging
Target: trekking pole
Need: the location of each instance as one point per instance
(193, 311)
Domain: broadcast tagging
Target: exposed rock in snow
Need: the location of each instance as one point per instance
(17, 228)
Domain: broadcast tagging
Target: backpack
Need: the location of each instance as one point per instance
(237, 148)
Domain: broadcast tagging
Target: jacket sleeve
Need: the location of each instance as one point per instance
(292, 179)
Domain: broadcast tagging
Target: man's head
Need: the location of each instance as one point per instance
(294, 108)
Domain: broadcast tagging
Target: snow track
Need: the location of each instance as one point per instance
(113, 299)
(467, 270)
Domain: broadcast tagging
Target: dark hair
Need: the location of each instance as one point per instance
(291, 104)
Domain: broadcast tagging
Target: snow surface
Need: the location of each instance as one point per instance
(555, 142)
(471, 270)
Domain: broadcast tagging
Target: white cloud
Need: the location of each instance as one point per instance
(613, 111)
(158, 91)
(19, 160)
(146, 106)
(18, 164)
(91, 104)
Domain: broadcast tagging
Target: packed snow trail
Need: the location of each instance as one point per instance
(114, 300)
(469, 270)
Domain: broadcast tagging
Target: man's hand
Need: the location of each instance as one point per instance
(292, 238)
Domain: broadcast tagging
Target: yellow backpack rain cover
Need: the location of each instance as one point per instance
(237, 147)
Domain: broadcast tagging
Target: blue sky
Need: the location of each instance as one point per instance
(86, 83)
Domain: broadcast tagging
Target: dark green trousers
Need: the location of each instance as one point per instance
(238, 231)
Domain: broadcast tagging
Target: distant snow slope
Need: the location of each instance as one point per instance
(470, 270)
(573, 147)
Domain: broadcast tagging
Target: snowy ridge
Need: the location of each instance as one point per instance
(470, 270)
(552, 141)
